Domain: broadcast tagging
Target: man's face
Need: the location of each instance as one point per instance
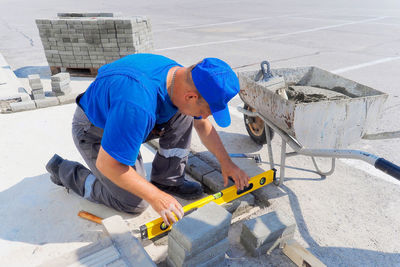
(197, 108)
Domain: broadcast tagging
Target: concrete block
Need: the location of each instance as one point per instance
(67, 99)
(22, 106)
(198, 168)
(34, 78)
(240, 205)
(47, 102)
(208, 229)
(36, 86)
(59, 85)
(181, 257)
(129, 246)
(260, 233)
(213, 262)
(215, 181)
(64, 91)
(62, 76)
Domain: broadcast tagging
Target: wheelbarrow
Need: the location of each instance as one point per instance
(321, 128)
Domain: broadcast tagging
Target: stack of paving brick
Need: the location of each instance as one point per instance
(60, 83)
(90, 40)
(200, 238)
(36, 86)
(260, 234)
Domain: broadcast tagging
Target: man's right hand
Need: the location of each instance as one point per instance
(166, 205)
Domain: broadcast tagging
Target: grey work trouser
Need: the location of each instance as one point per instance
(168, 166)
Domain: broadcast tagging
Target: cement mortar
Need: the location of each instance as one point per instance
(308, 94)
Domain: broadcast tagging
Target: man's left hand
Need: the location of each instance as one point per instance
(240, 178)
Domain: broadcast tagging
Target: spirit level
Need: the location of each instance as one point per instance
(157, 226)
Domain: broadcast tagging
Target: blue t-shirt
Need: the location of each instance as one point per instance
(128, 97)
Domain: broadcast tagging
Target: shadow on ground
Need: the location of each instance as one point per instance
(338, 256)
(37, 211)
(43, 71)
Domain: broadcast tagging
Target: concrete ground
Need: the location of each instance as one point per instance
(350, 218)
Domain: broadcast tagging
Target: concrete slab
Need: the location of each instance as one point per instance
(47, 102)
(129, 247)
(22, 106)
(209, 229)
(198, 168)
(180, 257)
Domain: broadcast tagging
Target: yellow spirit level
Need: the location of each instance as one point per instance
(157, 226)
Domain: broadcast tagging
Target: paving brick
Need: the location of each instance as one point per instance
(197, 168)
(22, 106)
(260, 233)
(208, 229)
(129, 246)
(67, 99)
(59, 85)
(47, 102)
(62, 76)
(240, 205)
(213, 262)
(215, 181)
(181, 257)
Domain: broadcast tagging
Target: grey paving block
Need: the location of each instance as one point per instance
(60, 84)
(215, 181)
(47, 102)
(260, 233)
(34, 77)
(129, 246)
(22, 106)
(213, 262)
(38, 96)
(181, 257)
(261, 196)
(208, 229)
(198, 168)
(240, 205)
(36, 86)
(62, 76)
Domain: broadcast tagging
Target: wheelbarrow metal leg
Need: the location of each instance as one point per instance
(283, 162)
(321, 172)
(269, 146)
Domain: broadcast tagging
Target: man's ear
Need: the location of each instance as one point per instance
(191, 96)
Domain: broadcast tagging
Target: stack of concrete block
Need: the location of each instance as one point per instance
(261, 233)
(60, 83)
(36, 86)
(90, 40)
(200, 238)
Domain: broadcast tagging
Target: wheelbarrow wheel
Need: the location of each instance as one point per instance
(255, 127)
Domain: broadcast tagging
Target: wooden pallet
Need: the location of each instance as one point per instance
(75, 72)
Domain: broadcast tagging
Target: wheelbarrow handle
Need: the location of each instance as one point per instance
(388, 167)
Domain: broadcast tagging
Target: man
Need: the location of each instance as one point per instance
(133, 100)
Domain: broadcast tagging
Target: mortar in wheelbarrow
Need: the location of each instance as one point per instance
(322, 124)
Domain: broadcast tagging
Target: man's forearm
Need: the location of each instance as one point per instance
(210, 138)
(126, 177)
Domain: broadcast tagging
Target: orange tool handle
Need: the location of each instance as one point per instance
(88, 216)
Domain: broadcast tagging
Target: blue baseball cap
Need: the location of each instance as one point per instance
(217, 84)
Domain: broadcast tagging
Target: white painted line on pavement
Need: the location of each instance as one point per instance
(223, 23)
(268, 37)
(367, 64)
